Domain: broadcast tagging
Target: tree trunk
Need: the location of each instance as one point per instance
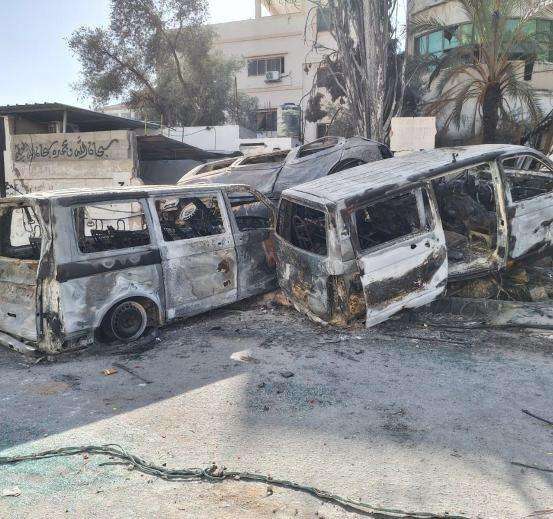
(490, 113)
(376, 36)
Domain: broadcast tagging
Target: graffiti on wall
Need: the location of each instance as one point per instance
(78, 149)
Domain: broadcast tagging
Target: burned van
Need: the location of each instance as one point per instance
(389, 235)
(76, 266)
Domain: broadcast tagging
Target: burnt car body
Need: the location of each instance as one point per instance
(390, 235)
(81, 265)
(272, 173)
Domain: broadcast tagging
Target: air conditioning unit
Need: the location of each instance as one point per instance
(272, 76)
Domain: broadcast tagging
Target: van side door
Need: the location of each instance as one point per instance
(197, 249)
(252, 216)
(529, 193)
(401, 252)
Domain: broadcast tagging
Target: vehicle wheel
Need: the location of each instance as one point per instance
(127, 321)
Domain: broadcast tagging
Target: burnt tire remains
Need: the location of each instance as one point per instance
(127, 321)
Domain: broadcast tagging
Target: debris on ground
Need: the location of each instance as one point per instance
(109, 371)
(286, 374)
(520, 297)
(11, 492)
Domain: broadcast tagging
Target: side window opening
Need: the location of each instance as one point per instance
(21, 234)
(303, 227)
(467, 205)
(278, 158)
(527, 177)
(190, 217)
(317, 146)
(249, 214)
(110, 226)
(214, 166)
(388, 220)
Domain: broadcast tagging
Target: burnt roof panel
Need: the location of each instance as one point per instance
(390, 174)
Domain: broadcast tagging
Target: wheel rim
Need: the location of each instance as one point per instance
(128, 321)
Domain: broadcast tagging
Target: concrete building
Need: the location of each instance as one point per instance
(54, 146)
(279, 59)
(280, 63)
(451, 13)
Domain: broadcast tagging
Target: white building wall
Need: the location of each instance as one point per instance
(229, 138)
(272, 36)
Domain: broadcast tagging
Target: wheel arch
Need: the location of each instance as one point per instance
(151, 304)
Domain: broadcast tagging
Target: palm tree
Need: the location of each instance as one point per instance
(482, 65)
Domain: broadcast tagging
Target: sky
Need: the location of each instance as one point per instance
(35, 63)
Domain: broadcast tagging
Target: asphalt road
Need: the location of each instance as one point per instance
(400, 416)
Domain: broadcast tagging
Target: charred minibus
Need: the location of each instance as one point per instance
(81, 265)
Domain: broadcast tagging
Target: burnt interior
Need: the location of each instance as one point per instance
(388, 220)
(249, 213)
(303, 227)
(105, 227)
(467, 205)
(189, 217)
(528, 177)
(20, 235)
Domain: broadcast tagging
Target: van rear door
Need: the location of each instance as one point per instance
(20, 253)
(401, 252)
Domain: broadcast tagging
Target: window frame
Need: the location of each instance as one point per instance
(430, 216)
(508, 184)
(112, 252)
(265, 60)
(6, 241)
(222, 210)
(303, 203)
(250, 198)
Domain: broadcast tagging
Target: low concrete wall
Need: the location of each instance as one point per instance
(39, 162)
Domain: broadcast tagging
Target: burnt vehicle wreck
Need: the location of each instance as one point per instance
(85, 265)
(394, 234)
(272, 173)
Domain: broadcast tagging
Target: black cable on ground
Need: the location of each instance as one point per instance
(218, 474)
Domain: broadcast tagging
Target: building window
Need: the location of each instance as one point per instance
(323, 19)
(266, 120)
(437, 42)
(260, 66)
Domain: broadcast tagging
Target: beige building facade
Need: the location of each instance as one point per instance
(451, 13)
(280, 59)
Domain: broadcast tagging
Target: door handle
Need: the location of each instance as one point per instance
(223, 267)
